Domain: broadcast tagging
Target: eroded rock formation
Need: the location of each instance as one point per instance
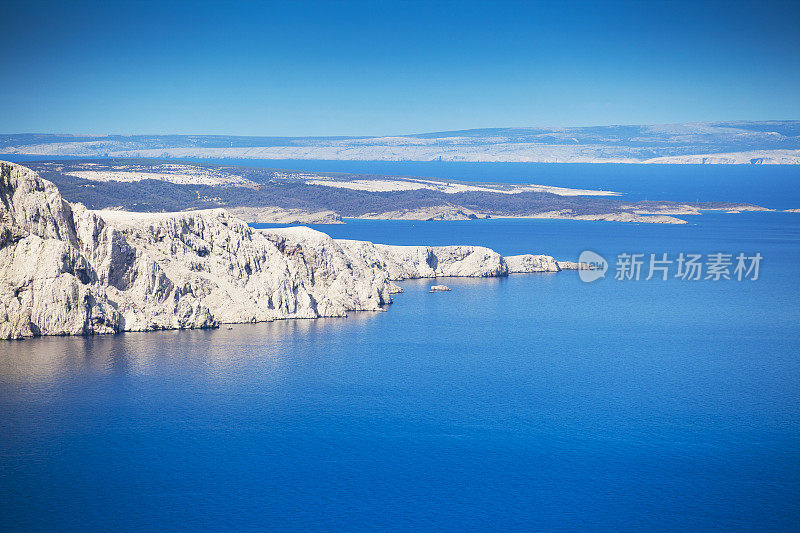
(66, 270)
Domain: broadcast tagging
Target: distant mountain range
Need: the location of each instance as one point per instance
(766, 142)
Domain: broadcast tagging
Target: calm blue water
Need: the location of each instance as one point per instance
(534, 402)
(773, 186)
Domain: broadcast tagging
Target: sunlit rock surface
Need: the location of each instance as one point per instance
(439, 288)
(413, 262)
(66, 270)
(522, 264)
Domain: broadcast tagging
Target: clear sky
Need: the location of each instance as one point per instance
(374, 68)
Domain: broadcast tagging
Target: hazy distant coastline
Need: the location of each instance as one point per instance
(764, 142)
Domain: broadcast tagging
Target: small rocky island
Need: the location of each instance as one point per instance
(439, 288)
(68, 270)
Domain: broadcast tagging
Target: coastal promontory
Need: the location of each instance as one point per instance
(68, 270)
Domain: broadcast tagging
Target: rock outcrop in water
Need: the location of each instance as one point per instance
(439, 288)
(65, 270)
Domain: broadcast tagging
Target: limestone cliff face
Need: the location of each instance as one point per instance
(65, 270)
(523, 264)
(413, 262)
(278, 215)
(46, 283)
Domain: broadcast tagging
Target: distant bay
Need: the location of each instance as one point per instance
(773, 186)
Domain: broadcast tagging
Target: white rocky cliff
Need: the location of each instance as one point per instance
(65, 270)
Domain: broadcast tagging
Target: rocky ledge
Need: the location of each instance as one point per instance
(66, 270)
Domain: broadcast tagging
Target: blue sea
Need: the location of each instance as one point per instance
(532, 402)
(773, 186)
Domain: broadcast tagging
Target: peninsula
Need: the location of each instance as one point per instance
(286, 196)
(69, 270)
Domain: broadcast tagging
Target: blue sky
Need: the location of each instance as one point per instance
(374, 68)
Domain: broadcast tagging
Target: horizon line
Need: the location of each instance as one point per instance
(711, 122)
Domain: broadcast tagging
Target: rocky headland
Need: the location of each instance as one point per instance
(68, 270)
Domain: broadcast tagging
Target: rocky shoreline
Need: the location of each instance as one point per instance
(67, 270)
